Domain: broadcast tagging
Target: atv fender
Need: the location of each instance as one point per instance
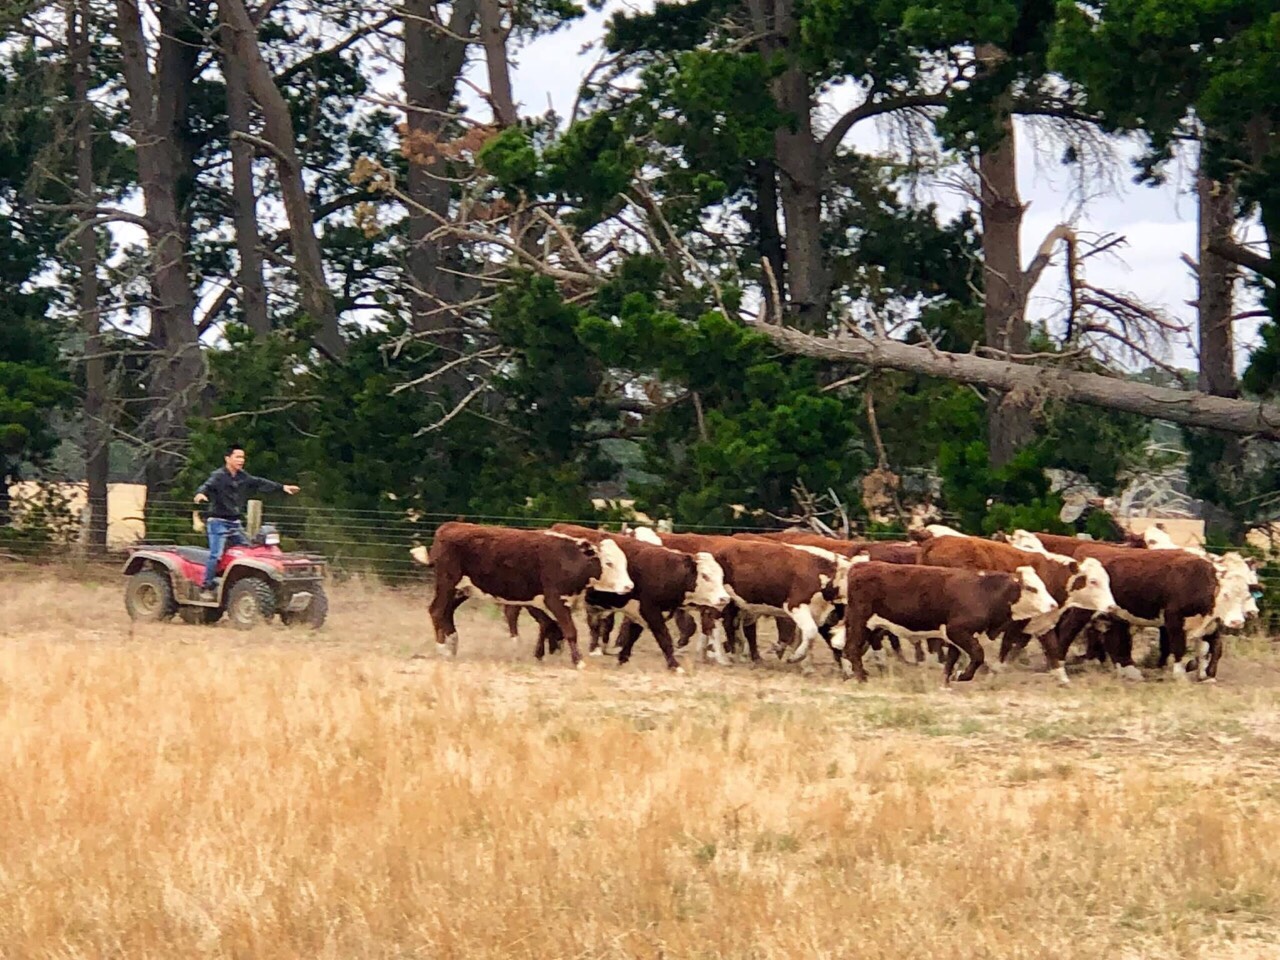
(137, 561)
(272, 572)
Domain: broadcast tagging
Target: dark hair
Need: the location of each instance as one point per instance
(232, 448)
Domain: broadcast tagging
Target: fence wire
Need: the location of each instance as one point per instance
(355, 542)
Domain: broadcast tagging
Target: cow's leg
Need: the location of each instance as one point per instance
(686, 625)
(786, 636)
(1069, 625)
(548, 633)
(1118, 642)
(963, 640)
(875, 642)
(443, 605)
(511, 614)
(657, 625)
(855, 643)
(628, 634)
(1162, 649)
(568, 629)
(1211, 656)
(600, 623)
(714, 627)
(1177, 628)
(808, 628)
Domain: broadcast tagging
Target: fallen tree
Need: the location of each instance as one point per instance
(1246, 417)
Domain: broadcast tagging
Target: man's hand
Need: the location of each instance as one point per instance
(290, 489)
(201, 498)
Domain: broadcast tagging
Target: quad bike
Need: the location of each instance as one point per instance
(254, 584)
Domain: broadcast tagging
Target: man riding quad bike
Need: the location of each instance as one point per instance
(255, 582)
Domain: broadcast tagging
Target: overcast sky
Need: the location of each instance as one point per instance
(1159, 223)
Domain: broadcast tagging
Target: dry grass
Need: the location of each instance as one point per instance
(185, 792)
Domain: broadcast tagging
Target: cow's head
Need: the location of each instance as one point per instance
(1234, 602)
(646, 535)
(941, 530)
(614, 577)
(1033, 601)
(419, 553)
(1155, 538)
(1090, 587)
(708, 588)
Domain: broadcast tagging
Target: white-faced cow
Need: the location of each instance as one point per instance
(1178, 591)
(547, 571)
(771, 579)
(923, 601)
(1074, 585)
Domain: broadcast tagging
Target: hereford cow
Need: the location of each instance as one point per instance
(1180, 592)
(548, 571)
(1073, 584)
(664, 580)
(770, 579)
(955, 605)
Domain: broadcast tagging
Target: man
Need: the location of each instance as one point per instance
(226, 491)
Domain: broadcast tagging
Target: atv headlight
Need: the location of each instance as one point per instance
(272, 539)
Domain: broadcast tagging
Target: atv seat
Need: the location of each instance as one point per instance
(193, 554)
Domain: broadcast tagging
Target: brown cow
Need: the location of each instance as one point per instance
(1081, 584)
(548, 571)
(768, 579)
(957, 605)
(1182, 593)
(664, 580)
(888, 551)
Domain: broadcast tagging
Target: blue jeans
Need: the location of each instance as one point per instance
(222, 534)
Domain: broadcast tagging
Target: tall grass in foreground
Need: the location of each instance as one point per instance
(188, 800)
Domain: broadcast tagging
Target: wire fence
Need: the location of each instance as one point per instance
(355, 542)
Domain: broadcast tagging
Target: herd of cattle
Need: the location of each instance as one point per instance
(942, 589)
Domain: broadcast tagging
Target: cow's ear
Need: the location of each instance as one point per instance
(1074, 566)
(587, 549)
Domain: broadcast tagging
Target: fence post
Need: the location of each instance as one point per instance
(254, 519)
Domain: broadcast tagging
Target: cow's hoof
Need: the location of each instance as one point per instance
(1130, 672)
(678, 671)
(724, 661)
(444, 650)
(580, 665)
(595, 653)
(1208, 679)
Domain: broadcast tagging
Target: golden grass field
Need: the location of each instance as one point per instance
(181, 792)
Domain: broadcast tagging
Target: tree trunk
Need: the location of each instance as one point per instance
(244, 199)
(1216, 277)
(97, 436)
(800, 164)
(308, 260)
(1071, 386)
(768, 236)
(177, 366)
(433, 61)
(493, 35)
(1009, 421)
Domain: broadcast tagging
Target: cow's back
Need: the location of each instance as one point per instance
(516, 565)
(1148, 582)
(975, 554)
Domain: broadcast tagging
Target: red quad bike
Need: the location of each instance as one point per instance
(254, 584)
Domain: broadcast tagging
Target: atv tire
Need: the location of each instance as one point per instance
(313, 614)
(148, 596)
(199, 616)
(250, 602)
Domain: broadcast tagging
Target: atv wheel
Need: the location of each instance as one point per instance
(148, 596)
(313, 614)
(199, 616)
(250, 602)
